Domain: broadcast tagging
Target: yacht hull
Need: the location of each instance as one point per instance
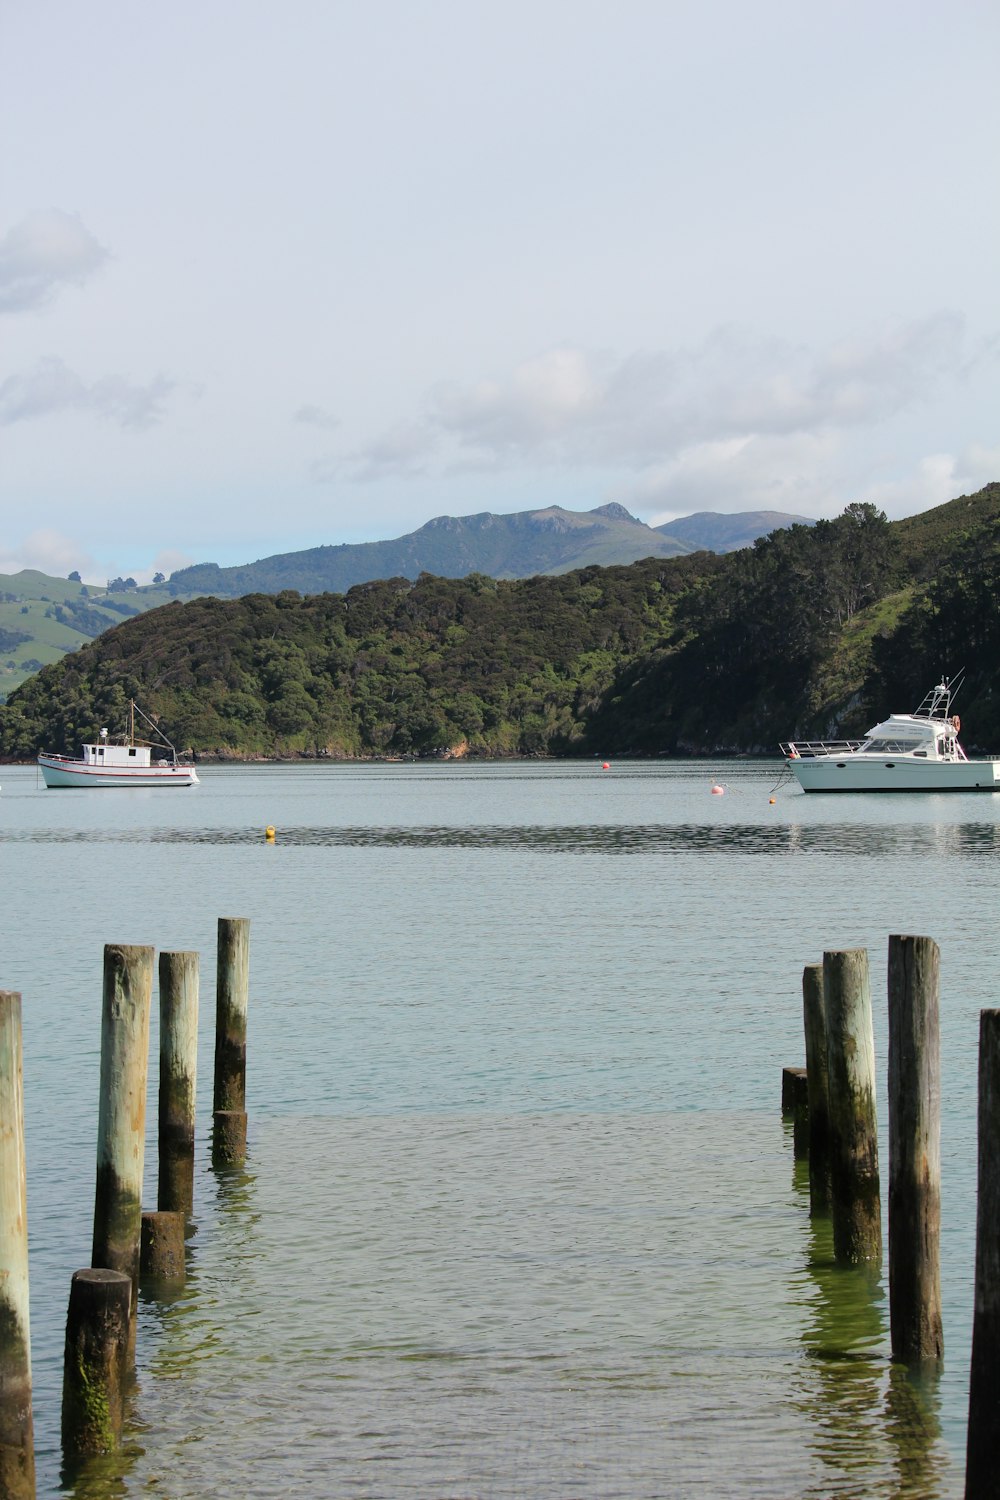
(864, 773)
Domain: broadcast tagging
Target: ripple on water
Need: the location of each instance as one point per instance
(548, 1305)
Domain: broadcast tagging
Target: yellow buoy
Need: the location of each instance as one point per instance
(269, 834)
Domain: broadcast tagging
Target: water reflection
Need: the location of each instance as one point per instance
(104, 1478)
(865, 1413)
(913, 1427)
(840, 840)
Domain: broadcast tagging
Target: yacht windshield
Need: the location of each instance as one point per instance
(889, 747)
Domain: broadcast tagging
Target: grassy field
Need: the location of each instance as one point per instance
(43, 618)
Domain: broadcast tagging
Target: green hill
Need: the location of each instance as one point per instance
(42, 618)
(813, 631)
(390, 668)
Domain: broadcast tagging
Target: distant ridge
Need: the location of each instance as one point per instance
(521, 545)
(715, 532)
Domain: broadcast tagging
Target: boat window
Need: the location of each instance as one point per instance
(889, 747)
(131, 751)
(100, 750)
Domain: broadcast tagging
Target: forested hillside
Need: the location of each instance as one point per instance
(814, 630)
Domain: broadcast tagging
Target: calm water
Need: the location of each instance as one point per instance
(520, 1216)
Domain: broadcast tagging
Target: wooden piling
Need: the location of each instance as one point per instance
(121, 1126)
(818, 1087)
(983, 1444)
(795, 1104)
(96, 1361)
(915, 1151)
(231, 1000)
(178, 1076)
(854, 1176)
(229, 1137)
(17, 1449)
(161, 1258)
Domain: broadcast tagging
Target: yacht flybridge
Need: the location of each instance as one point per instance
(916, 752)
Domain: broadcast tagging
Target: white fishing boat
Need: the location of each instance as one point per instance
(916, 752)
(128, 761)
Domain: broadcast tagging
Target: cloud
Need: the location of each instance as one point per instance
(51, 552)
(546, 399)
(647, 405)
(787, 472)
(939, 477)
(316, 416)
(46, 251)
(804, 474)
(51, 387)
(577, 408)
(405, 450)
(166, 562)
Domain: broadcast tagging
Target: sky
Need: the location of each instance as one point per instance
(273, 277)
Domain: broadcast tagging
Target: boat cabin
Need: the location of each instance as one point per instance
(905, 734)
(103, 754)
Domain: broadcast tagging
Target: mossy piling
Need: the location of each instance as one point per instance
(179, 984)
(915, 1151)
(854, 1166)
(232, 994)
(121, 1129)
(817, 1086)
(161, 1258)
(96, 1362)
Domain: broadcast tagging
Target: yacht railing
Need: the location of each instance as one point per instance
(803, 749)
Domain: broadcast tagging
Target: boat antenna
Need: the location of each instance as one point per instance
(954, 684)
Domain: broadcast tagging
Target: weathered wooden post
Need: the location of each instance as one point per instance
(97, 1343)
(178, 1076)
(818, 1087)
(161, 1257)
(914, 1151)
(982, 1465)
(17, 1446)
(121, 1126)
(854, 1179)
(795, 1104)
(232, 1000)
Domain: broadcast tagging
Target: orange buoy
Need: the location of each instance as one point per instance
(606, 765)
(718, 791)
(772, 800)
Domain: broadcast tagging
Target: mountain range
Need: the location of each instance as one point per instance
(521, 545)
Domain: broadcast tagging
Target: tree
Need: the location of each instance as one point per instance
(861, 559)
(158, 578)
(74, 577)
